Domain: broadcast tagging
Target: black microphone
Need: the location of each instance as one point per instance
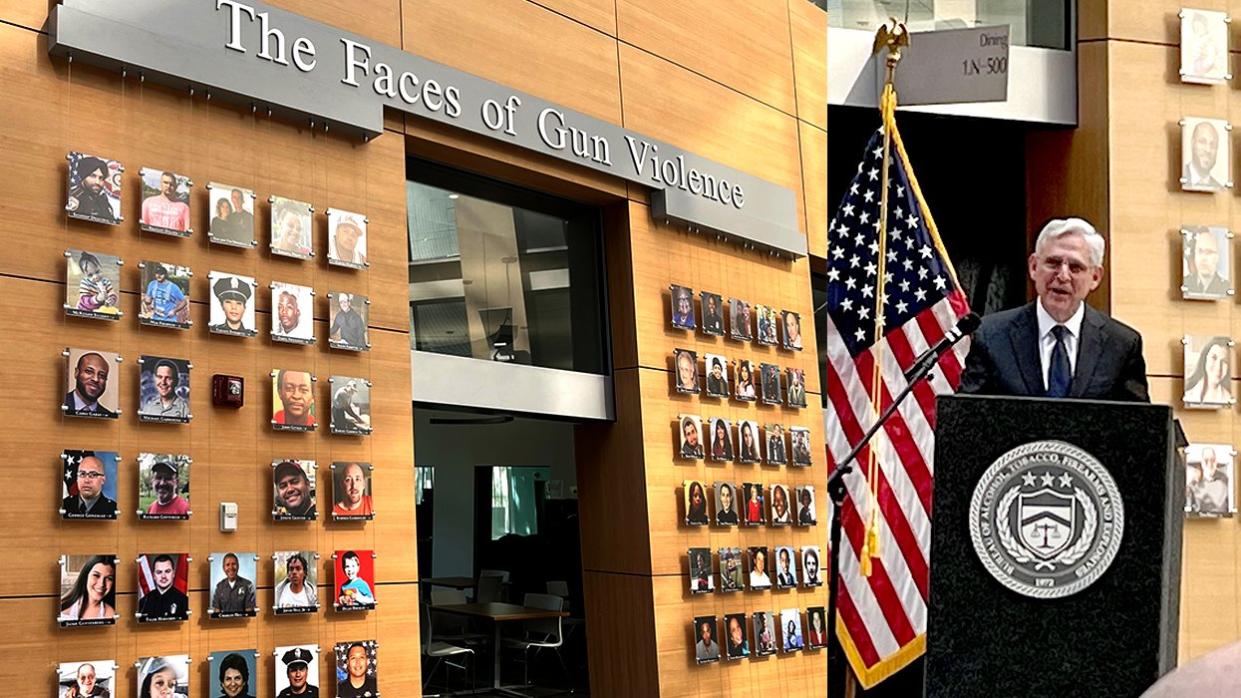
(921, 367)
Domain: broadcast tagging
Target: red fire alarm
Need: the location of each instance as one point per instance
(228, 391)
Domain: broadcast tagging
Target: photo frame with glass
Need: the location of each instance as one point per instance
(786, 567)
(701, 574)
(749, 442)
(726, 503)
(293, 490)
(721, 433)
(791, 639)
(232, 587)
(811, 572)
(232, 304)
(354, 580)
(297, 670)
(732, 569)
(348, 314)
(790, 330)
(1206, 147)
(816, 628)
(233, 673)
(796, 393)
(753, 504)
(685, 371)
(95, 677)
(759, 567)
(296, 574)
(740, 320)
(806, 514)
(347, 236)
(231, 215)
(352, 491)
(168, 675)
(351, 405)
(91, 378)
(163, 588)
(1206, 263)
(781, 505)
(745, 381)
(293, 313)
(770, 384)
(94, 188)
(165, 300)
(706, 639)
(768, 325)
(164, 390)
(165, 203)
(689, 433)
(777, 449)
(694, 501)
(293, 406)
(292, 228)
(164, 486)
(1210, 480)
(87, 590)
(357, 669)
(736, 636)
(682, 307)
(1204, 47)
(765, 633)
(92, 285)
(712, 313)
(800, 438)
(1207, 371)
(89, 484)
(716, 367)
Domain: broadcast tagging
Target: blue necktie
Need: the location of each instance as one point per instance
(1059, 374)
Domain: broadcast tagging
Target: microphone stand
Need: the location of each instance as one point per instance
(836, 491)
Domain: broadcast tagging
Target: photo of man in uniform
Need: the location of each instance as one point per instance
(294, 404)
(300, 674)
(351, 404)
(1206, 256)
(352, 485)
(348, 329)
(232, 312)
(1203, 169)
(86, 477)
(165, 206)
(164, 301)
(164, 399)
(288, 322)
(160, 599)
(357, 663)
(294, 490)
(89, 198)
(346, 239)
(234, 594)
(164, 485)
(295, 583)
(89, 395)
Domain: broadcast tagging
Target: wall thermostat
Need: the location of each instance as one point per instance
(228, 517)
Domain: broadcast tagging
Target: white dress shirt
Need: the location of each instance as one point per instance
(1047, 340)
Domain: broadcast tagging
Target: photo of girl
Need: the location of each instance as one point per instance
(1207, 367)
(745, 381)
(721, 439)
(748, 450)
(755, 515)
(695, 503)
(781, 508)
(738, 646)
(87, 590)
(92, 285)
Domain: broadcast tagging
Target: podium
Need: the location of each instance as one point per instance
(1027, 463)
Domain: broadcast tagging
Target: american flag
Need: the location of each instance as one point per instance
(882, 618)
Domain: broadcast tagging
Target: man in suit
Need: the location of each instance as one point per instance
(1204, 150)
(90, 382)
(1057, 346)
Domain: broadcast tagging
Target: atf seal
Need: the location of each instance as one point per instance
(1046, 519)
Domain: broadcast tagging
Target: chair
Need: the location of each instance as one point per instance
(483, 574)
(454, 628)
(561, 589)
(539, 635)
(490, 587)
(442, 652)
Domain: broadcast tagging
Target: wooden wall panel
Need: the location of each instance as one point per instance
(619, 631)
(597, 14)
(745, 46)
(809, 28)
(31, 14)
(814, 185)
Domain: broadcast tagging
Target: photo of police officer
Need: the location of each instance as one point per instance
(297, 671)
(163, 389)
(91, 679)
(292, 318)
(293, 401)
(163, 580)
(90, 393)
(293, 490)
(232, 312)
(1206, 262)
(89, 485)
(94, 191)
(165, 298)
(232, 585)
(232, 215)
(357, 669)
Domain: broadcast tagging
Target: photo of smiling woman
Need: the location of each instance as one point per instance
(231, 672)
(87, 590)
(747, 442)
(1207, 363)
(695, 503)
(721, 439)
(164, 677)
(745, 381)
(685, 370)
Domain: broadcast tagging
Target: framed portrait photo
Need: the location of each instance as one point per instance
(87, 590)
(690, 434)
(297, 670)
(1207, 371)
(806, 515)
(685, 371)
(800, 436)
(740, 320)
(768, 324)
(232, 306)
(765, 633)
(732, 571)
(296, 575)
(1209, 484)
(94, 188)
(354, 580)
(790, 333)
(231, 214)
(233, 673)
(163, 676)
(796, 395)
(92, 285)
(717, 375)
(165, 300)
(1206, 263)
(786, 567)
(683, 307)
(694, 500)
(164, 486)
(293, 490)
(701, 573)
(745, 381)
(816, 628)
(232, 584)
(88, 484)
(165, 203)
(753, 505)
(790, 630)
(163, 586)
(1205, 148)
(726, 504)
(777, 449)
(91, 384)
(351, 405)
(736, 637)
(749, 449)
(781, 505)
(357, 669)
(1204, 47)
(291, 228)
(351, 491)
(346, 244)
(811, 575)
(164, 390)
(347, 316)
(293, 313)
(712, 314)
(95, 677)
(706, 636)
(293, 400)
(721, 434)
(759, 578)
(770, 383)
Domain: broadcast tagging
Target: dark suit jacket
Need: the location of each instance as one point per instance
(69, 407)
(103, 507)
(1004, 358)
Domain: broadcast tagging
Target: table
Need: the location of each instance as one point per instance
(500, 613)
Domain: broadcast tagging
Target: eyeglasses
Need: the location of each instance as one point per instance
(87, 475)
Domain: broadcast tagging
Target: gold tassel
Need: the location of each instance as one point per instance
(865, 559)
(872, 536)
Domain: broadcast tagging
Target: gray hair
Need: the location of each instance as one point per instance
(1059, 227)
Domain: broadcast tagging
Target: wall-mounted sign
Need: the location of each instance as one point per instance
(952, 66)
(254, 53)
